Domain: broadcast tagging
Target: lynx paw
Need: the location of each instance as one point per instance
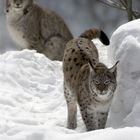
(72, 125)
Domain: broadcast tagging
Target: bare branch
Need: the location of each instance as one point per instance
(123, 2)
(125, 5)
(136, 14)
(113, 4)
(129, 10)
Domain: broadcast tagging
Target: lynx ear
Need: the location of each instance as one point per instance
(7, 3)
(114, 69)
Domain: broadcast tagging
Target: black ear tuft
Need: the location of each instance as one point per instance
(114, 68)
(103, 38)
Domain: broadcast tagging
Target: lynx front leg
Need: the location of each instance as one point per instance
(102, 117)
(89, 118)
(35, 43)
(72, 109)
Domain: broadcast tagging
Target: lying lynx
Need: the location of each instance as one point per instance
(36, 28)
(87, 81)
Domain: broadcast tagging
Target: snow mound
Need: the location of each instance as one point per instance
(125, 46)
(32, 105)
(31, 91)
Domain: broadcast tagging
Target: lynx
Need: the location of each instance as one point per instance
(87, 81)
(33, 27)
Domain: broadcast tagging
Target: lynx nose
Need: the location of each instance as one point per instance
(17, 4)
(101, 87)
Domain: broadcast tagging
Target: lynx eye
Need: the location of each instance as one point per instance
(96, 82)
(107, 82)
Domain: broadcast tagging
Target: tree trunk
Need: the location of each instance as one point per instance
(129, 10)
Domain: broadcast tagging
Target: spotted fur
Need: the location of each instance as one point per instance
(34, 27)
(87, 81)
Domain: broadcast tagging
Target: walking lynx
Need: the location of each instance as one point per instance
(36, 28)
(87, 81)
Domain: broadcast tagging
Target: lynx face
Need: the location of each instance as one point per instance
(103, 81)
(20, 4)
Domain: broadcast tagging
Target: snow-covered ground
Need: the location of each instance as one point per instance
(32, 105)
(125, 46)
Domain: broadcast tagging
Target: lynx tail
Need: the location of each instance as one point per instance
(96, 33)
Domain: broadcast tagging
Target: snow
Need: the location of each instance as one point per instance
(125, 46)
(32, 105)
(28, 93)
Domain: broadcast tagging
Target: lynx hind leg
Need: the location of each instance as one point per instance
(71, 109)
(54, 48)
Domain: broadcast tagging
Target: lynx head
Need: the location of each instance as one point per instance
(103, 81)
(19, 4)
